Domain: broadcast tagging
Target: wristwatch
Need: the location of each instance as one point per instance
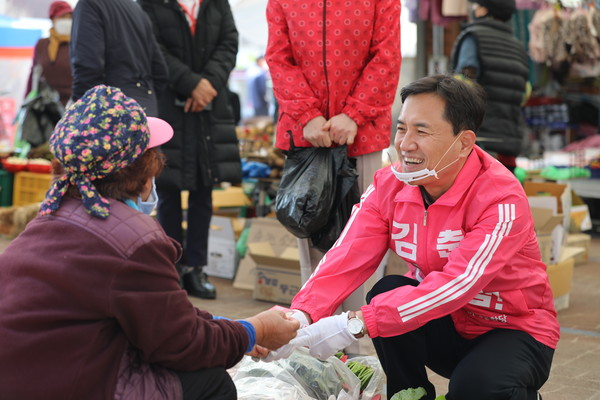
(356, 326)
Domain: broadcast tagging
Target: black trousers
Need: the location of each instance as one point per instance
(199, 213)
(207, 384)
(500, 364)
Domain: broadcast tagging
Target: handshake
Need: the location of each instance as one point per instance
(323, 338)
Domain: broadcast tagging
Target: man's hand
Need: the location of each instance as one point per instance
(203, 93)
(342, 129)
(273, 328)
(258, 352)
(315, 133)
(192, 106)
(325, 337)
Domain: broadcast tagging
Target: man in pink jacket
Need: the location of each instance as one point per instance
(476, 305)
(335, 68)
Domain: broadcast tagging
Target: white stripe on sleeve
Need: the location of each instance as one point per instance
(476, 267)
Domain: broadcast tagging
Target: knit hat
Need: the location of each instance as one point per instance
(500, 9)
(58, 9)
(101, 133)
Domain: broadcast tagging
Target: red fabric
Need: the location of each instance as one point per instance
(474, 252)
(58, 9)
(354, 71)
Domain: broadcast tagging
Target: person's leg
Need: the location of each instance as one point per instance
(207, 384)
(404, 357)
(501, 364)
(309, 258)
(169, 213)
(196, 243)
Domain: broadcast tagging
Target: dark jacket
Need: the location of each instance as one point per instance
(112, 43)
(77, 291)
(204, 149)
(503, 74)
(57, 73)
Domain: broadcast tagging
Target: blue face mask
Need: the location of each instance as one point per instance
(148, 206)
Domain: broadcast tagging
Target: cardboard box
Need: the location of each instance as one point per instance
(261, 230)
(560, 276)
(580, 240)
(550, 207)
(246, 274)
(545, 244)
(221, 248)
(581, 219)
(538, 191)
(239, 224)
(277, 272)
(231, 197)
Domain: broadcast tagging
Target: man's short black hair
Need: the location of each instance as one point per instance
(465, 100)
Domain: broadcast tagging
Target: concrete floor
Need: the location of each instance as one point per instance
(576, 369)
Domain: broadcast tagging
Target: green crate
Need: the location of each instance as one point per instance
(6, 188)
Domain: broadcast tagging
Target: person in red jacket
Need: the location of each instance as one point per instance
(335, 68)
(475, 305)
(90, 302)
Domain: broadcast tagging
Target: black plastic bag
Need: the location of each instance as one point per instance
(39, 115)
(315, 185)
(306, 192)
(346, 196)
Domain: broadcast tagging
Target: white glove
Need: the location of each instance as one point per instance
(286, 350)
(325, 337)
(300, 317)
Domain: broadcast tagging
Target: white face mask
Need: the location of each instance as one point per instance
(62, 26)
(149, 205)
(410, 177)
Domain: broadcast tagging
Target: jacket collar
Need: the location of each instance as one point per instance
(463, 181)
(491, 23)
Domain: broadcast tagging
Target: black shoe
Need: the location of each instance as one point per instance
(196, 283)
(180, 273)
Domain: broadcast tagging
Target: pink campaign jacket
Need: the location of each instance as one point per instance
(352, 66)
(474, 252)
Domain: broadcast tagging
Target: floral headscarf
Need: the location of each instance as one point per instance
(101, 133)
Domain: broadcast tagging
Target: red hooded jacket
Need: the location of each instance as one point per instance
(352, 66)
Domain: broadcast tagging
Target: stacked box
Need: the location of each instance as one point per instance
(583, 241)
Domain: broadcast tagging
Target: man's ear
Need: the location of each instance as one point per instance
(467, 142)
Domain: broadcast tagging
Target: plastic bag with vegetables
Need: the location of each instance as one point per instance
(370, 373)
(301, 374)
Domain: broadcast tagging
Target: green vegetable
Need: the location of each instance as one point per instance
(363, 372)
(314, 380)
(410, 394)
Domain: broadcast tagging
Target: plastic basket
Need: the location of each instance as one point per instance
(30, 187)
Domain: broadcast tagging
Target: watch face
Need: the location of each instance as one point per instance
(355, 326)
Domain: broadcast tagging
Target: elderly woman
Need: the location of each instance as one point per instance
(90, 303)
